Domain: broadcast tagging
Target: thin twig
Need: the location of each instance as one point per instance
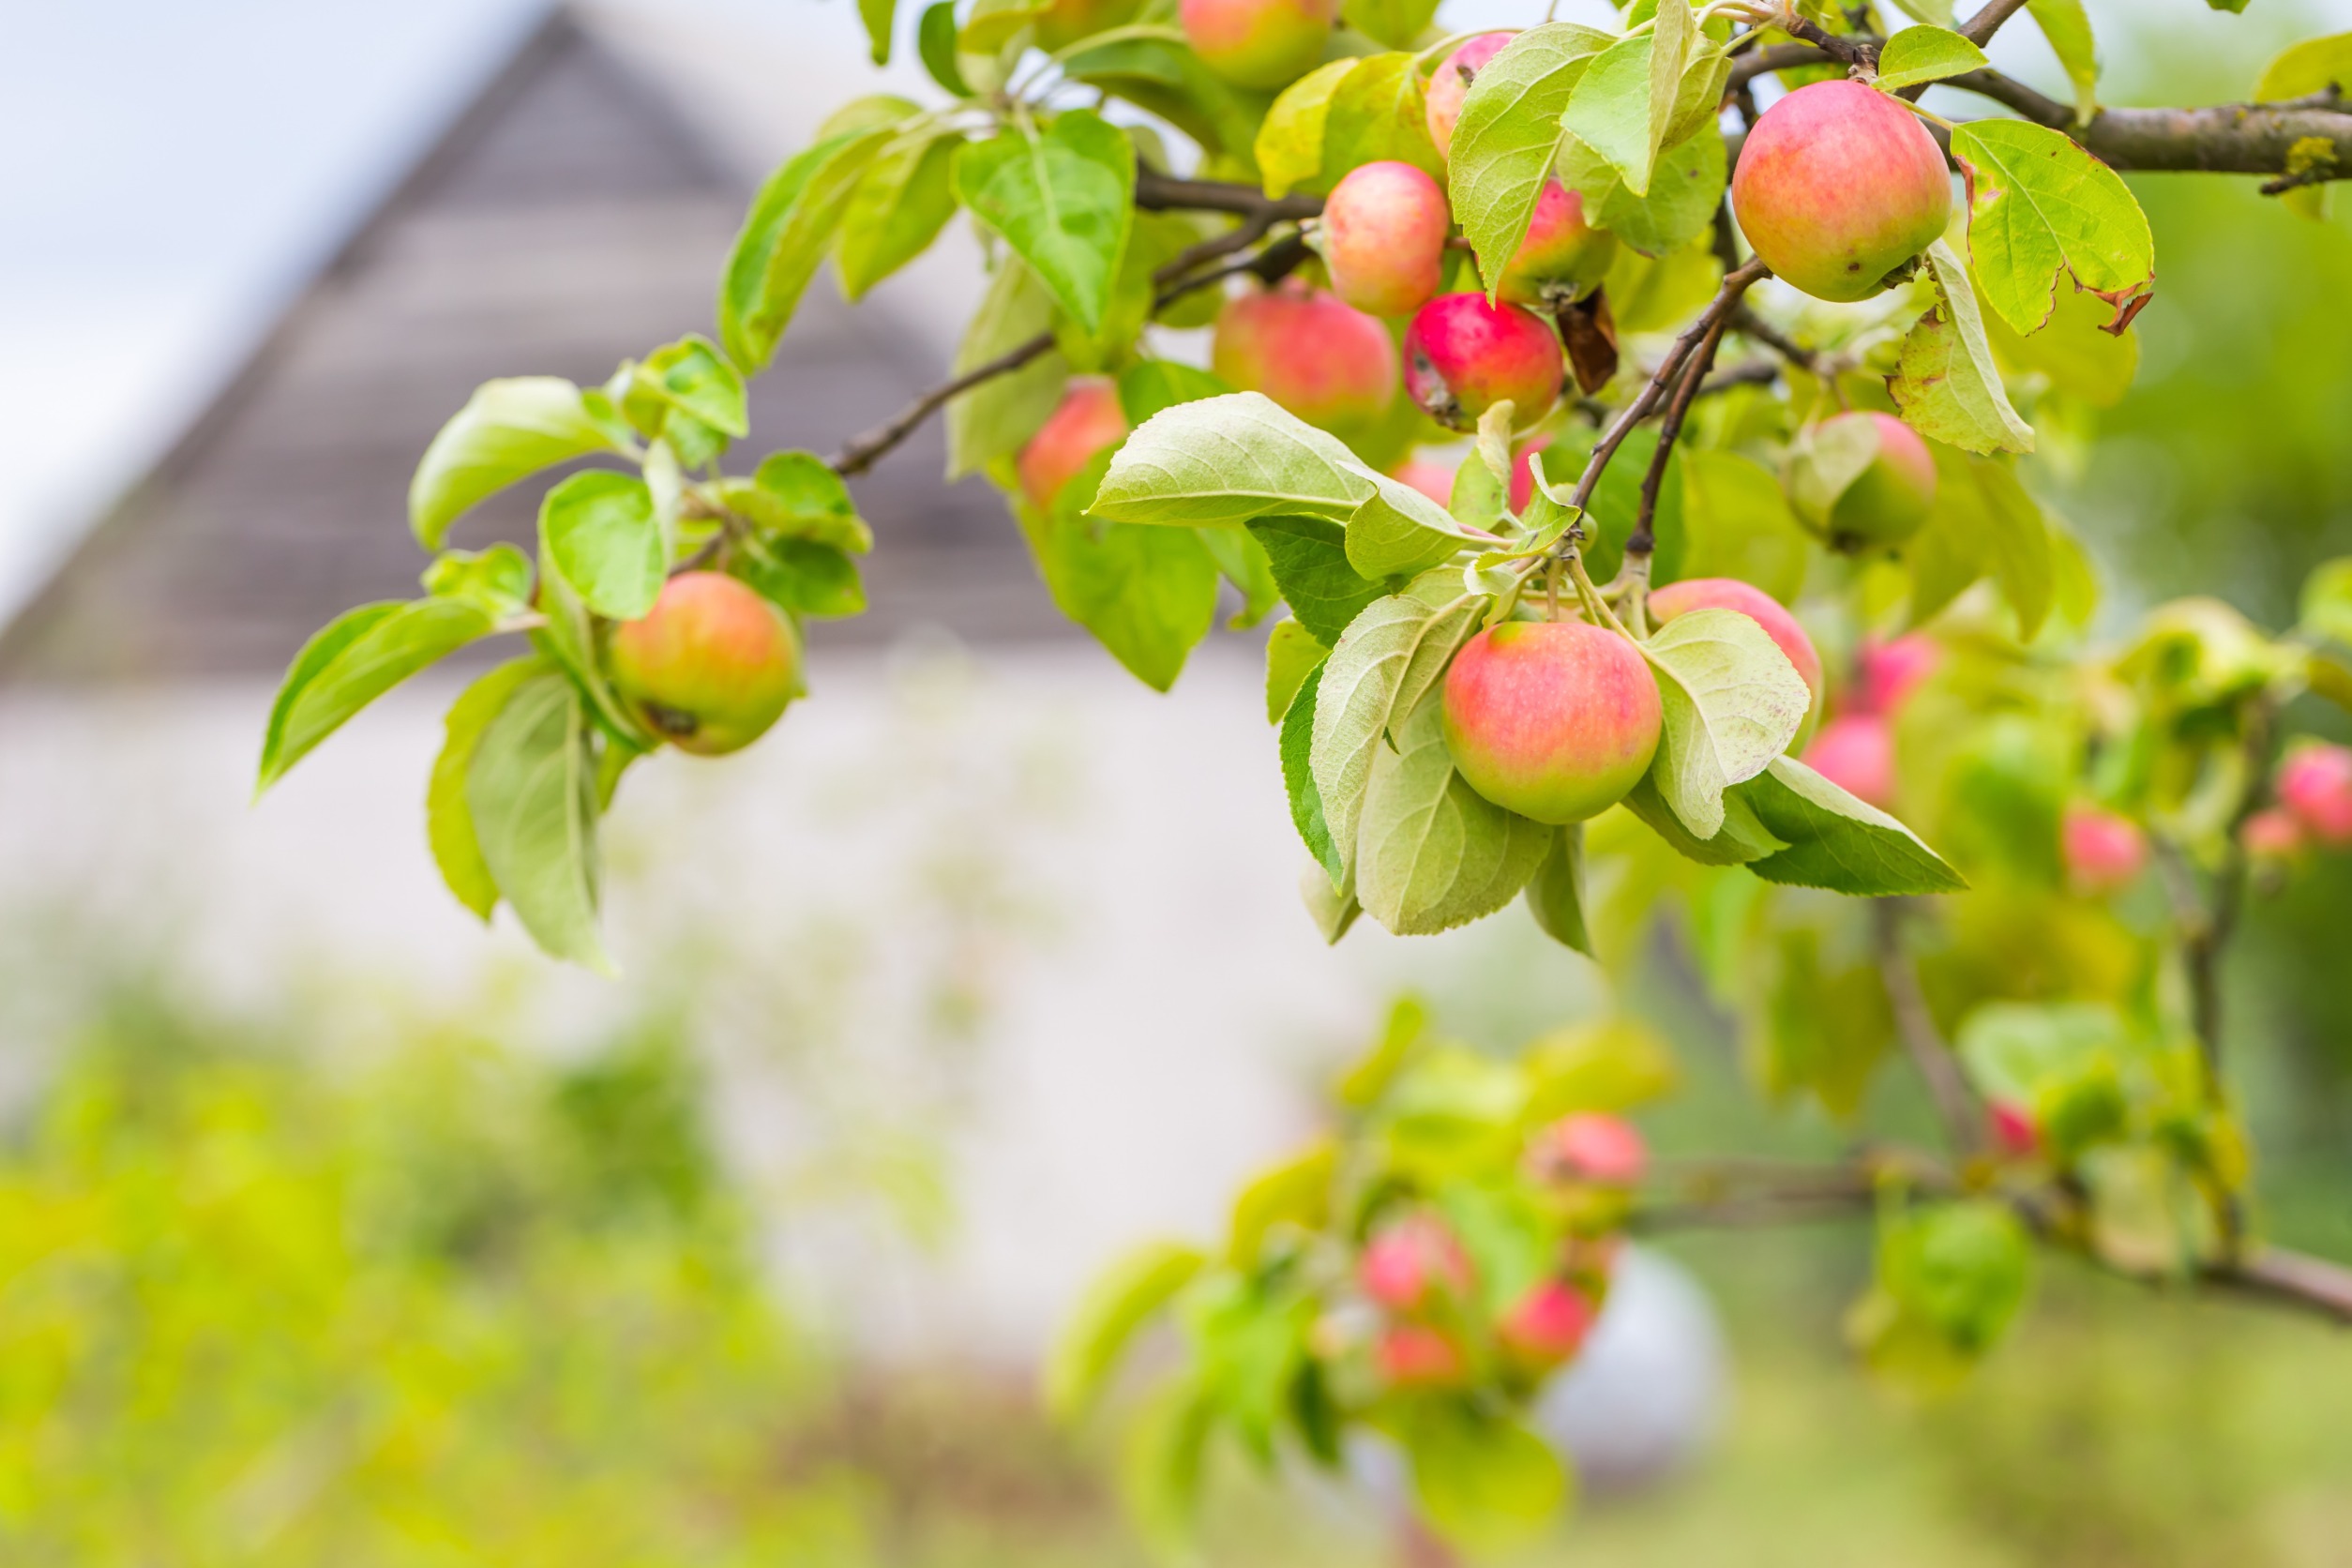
(1980, 28)
(1748, 323)
(862, 452)
(1922, 1042)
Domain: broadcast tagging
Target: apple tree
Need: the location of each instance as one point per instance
(1602, 582)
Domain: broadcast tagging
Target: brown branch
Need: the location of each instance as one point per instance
(863, 451)
(1980, 28)
(2293, 1279)
(1734, 285)
(1922, 1042)
(1158, 192)
(1748, 323)
(1756, 372)
(1643, 540)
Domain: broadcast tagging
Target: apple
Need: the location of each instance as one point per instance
(2272, 835)
(1562, 256)
(1088, 420)
(710, 668)
(1730, 592)
(1838, 188)
(1384, 231)
(1856, 752)
(1523, 471)
(1412, 1261)
(1322, 359)
(2104, 852)
(1884, 503)
(1591, 1146)
(1414, 1355)
(1442, 104)
(1258, 43)
(1553, 719)
(1463, 355)
(1886, 673)
(1546, 1326)
(2315, 785)
(1432, 479)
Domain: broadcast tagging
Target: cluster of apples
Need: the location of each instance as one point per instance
(1432, 1331)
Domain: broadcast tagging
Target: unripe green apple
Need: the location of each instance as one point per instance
(1442, 104)
(1730, 592)
(1838, 188)
(1063, 22)
(1553, 719)
(1325, 361)
(1258, 43)
(1562, 256)
(1863, 479)
(1384, 231)
(1463, 355)
(710, 668)
(1088, 420)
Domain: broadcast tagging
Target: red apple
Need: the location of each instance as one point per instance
(1591, 1146)
(1412, 1261)
(1523, 471)
(1088, 420)
(1562, 256)
(1888, 672)
(2314, 784)
(710, 666)
(1546, 1326)
(1328, 363)
(1553, 719)
(2104, 852)
(1838, 188)
(1414, 1355)
(1463, 355)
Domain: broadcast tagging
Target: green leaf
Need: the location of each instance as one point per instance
(1983, 522)
(497, 579)
(507, 430)
(1509, 136)
(2067, 27)
(1369, 665)
(1309, 557)
(784, 236)
(1432, 852)
(1613, 1065)
(1296, 1191)
(2040, 205)
(935, 42)
(356, 658)
(1836, 841)
(2327, 602)
(1946, 381)
(601, 533)
(1398, 531)
(1378, 111)
(1148, 387)
(1823, 1029)
(1062, 198)
(1118, 1302)
(1625, 102)
(569, 638)
(878, 15)
(797, 495)
(992, 24)
(1935, 13)
(1289, 142)
(1918, 54)
(1397, 23)
(1485, 1484)
(690, 376)
(996, 418)
(803, 577)
(1556, 895)
(1950, 1279)
(1737, 523)
(1164, 77)
(1149, 595)
(448, 818)
(1684, 191)
(1292, 653)
(1733, 702)
(1741, 840)
(1228, 459)
(1297, 781)
(1242, 562)
(531, 790)
(2309, 66)
(905, 199)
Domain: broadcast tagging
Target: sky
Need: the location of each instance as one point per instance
(171, 172)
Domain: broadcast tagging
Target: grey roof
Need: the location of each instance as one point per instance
(572, 216)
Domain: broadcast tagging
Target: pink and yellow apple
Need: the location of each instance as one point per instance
(1546, 1326)
(1412, 1262)
(1886, 673)
(710, 666)
(1442, 104)
(1088, 420)
(1463, 355)
(2315, 785)
(1384, 231)
(1562, 256)
(1838, 188)
(1592, 1146)
(1553, 719)
(1258, 43)
(1414, 1355)
(1322, 359)
(1856, 752)
(2104, 852)
(1432, 479)
(1884, 503)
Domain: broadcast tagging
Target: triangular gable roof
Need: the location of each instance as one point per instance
(570, 217)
